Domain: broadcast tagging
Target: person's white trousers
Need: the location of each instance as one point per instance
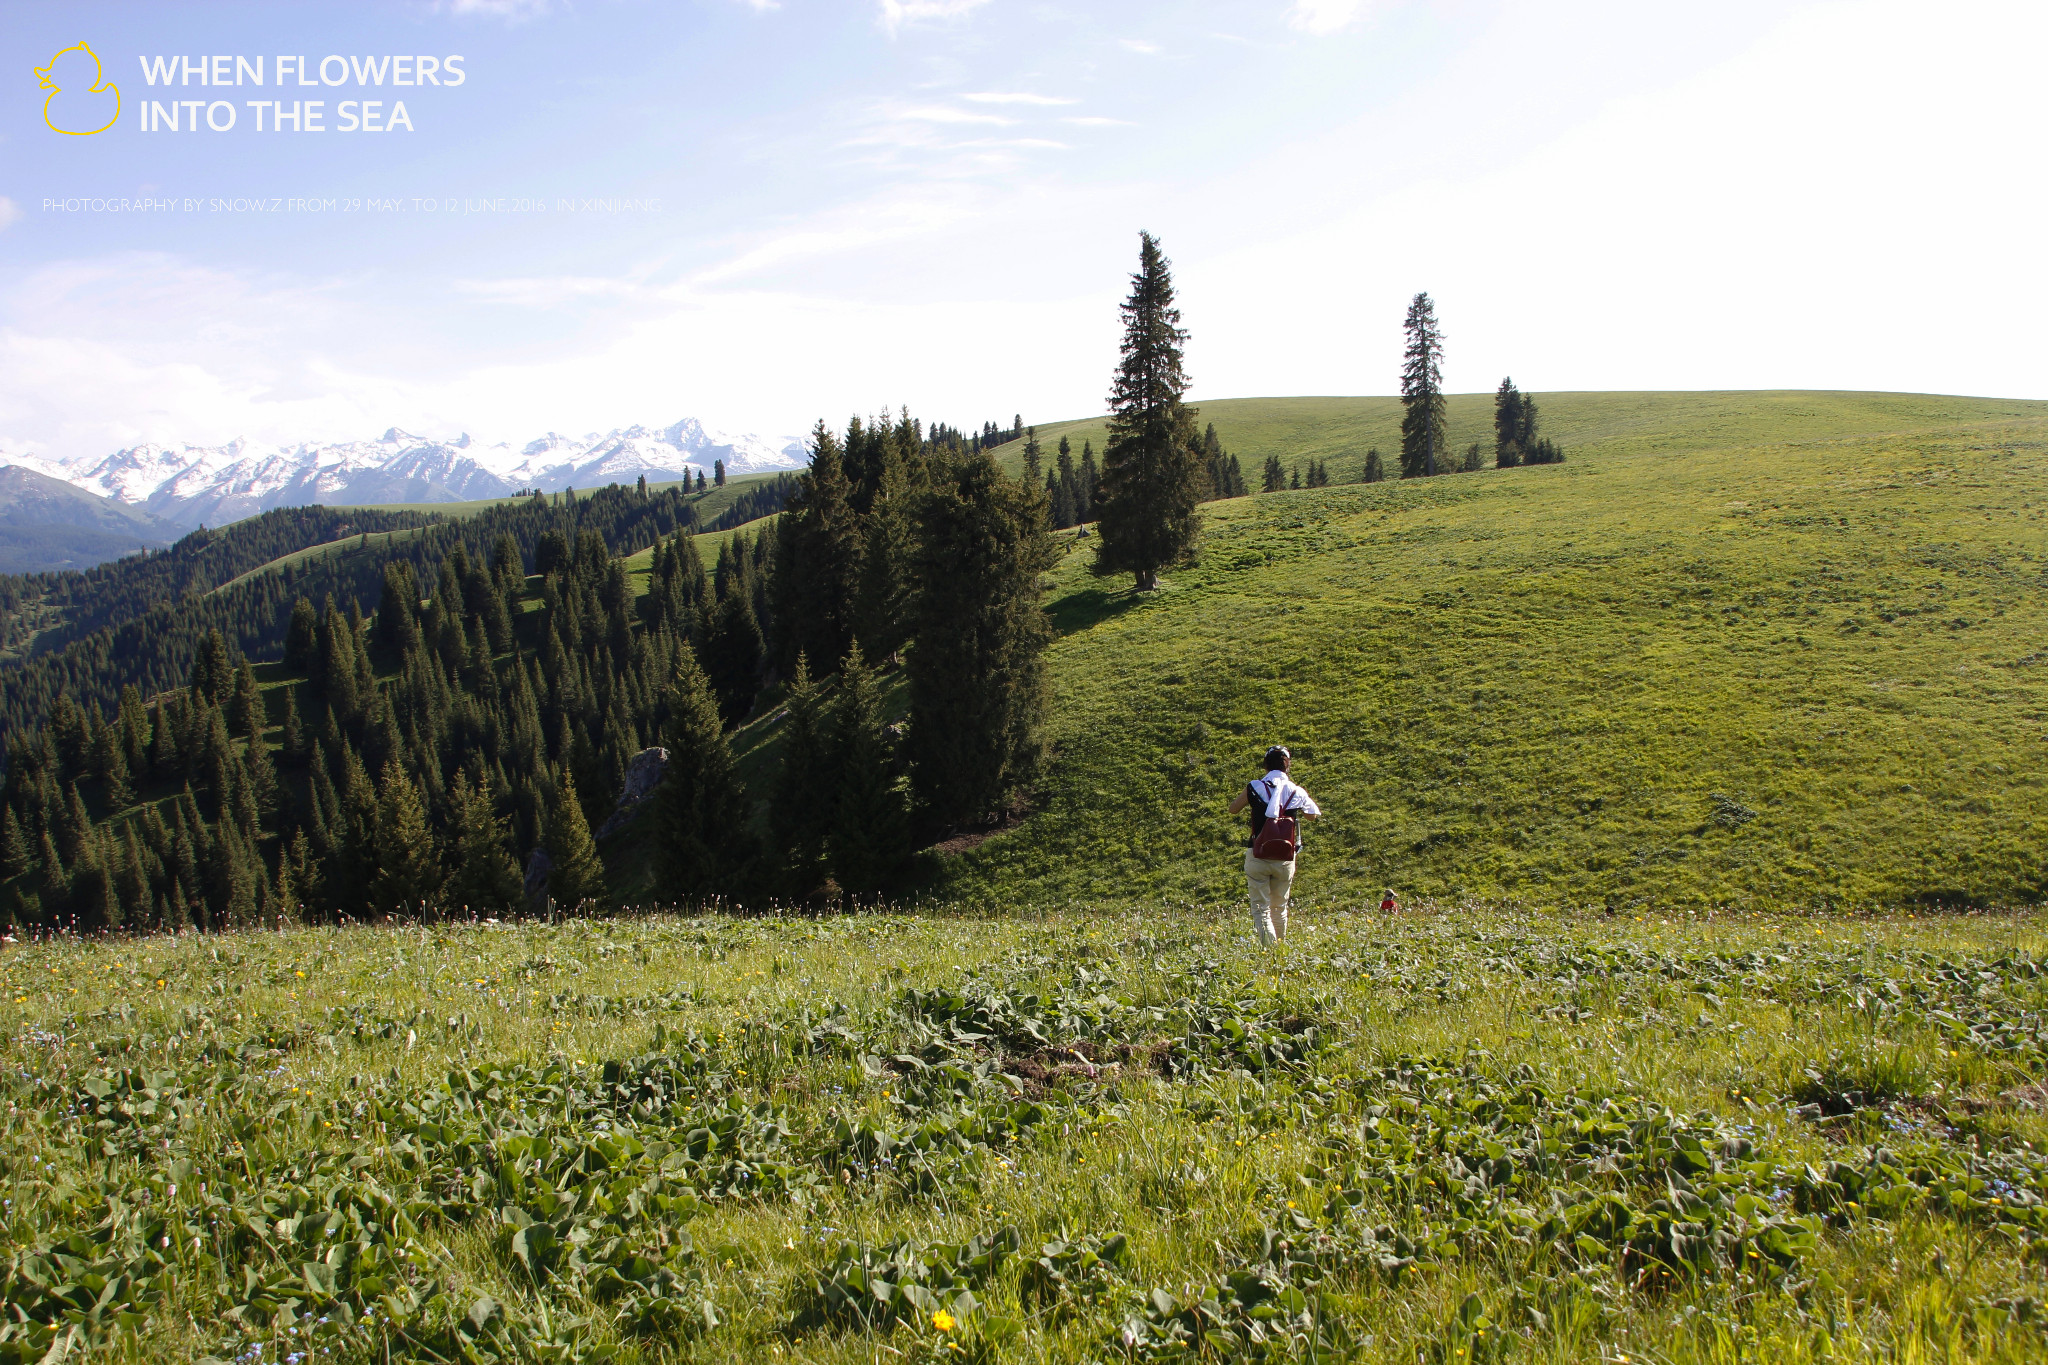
(1269, 882)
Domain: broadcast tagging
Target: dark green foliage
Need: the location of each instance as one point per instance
(139, 623)
(1273, 478)
(1423, 442)
(398, 611)
(1152, 465)
(979, 688)
(701, 812)
(1226, 476)
(732, 650)
(1375, 468)
(1508, 431)
(577, 876)
(870, 817)
(409, 874)
(1473, 461)
(817, 574)
(800, 818)
(718, 472)
(14, 856)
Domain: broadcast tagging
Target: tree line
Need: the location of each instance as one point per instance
(141, 621)
(415, 758)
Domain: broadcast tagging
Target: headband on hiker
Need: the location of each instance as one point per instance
(1278, 757)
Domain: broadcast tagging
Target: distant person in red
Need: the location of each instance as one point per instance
(1271, 878)
(1388, 903)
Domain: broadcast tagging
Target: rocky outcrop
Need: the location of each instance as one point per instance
(643, 775)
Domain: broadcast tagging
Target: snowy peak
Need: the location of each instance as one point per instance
(193, 485)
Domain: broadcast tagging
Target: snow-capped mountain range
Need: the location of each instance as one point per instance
(190, 486)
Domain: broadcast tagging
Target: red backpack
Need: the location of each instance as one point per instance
(1278, 840)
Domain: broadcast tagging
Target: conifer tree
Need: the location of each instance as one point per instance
(485, 879)
(882, 608)
(870, 830)
(1507, 425)
(294, 738)
(1152, 469)
(1274, 477)
(578, 874)
(1294, 477)
(54, 888)
(1033, 457)
(398, 612)
(701, 810)
(1423, 440)
(213, 673)
(1375, 469)
(110, 767)
(816, 582)
(302, 638)
(718, 472)
(979, 690)
(732, 654)
(14, 856)
(800, 814)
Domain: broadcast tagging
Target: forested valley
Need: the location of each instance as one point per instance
(271, 749)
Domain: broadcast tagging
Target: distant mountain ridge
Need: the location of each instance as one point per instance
(49, 523)
(187, 486)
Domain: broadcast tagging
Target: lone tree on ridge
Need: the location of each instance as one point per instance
(1152, 466)
(1422, 392)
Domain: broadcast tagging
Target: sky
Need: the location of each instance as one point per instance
(761, 213)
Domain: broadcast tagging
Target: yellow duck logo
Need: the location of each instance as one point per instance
(80, 102)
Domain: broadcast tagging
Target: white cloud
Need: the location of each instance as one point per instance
(1098, 121)
(897, 13)
(1326, 16)
(514, 10)
(10, 212)
(938, 113)
(1016, 97)
(1141, 46)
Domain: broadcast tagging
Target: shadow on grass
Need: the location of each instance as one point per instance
(1091, 606)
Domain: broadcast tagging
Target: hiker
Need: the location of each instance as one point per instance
(1388, 905)
(1269, 859)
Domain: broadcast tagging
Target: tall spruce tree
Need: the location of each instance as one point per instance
(578, 875)
(732, 654)
(485, 880)
(870, 829)
(800, 813)
(979, 689)
(701, 812)
(1507, 425)
(1423, 435)
(1375, 468)
(409, 876)
(1152, 472)
(816, 584)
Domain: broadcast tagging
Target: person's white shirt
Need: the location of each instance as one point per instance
(1281, 792)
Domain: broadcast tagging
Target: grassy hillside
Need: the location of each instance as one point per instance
(1341, 430)
(714, 501)
(1447, 1138)
(1767, 648)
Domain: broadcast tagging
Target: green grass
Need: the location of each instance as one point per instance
(713, 501)
(1456, 1135)
(1341, 430)
(1739, 650)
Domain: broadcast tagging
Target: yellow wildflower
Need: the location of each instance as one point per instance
(944, 1321)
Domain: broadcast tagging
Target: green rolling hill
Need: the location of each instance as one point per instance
(1769, 648)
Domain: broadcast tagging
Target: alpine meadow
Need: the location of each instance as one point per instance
(801, 917)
